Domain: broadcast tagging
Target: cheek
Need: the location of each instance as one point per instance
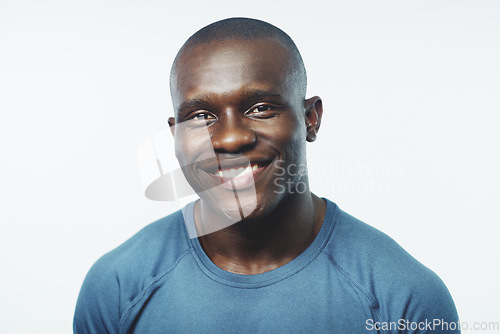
(192, 145)
(291, 134)
(182, 149)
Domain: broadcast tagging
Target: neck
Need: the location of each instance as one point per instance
(258, 245)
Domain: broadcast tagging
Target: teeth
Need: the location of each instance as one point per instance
(234, 172)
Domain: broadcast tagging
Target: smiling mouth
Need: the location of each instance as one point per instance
(237, 177)
(231, 173)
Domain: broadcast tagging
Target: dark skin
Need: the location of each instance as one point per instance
(245, 93)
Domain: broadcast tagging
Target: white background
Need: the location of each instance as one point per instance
(410, 132)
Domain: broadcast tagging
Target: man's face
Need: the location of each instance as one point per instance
(242, 96)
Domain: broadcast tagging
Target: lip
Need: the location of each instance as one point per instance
(225, 162)
(240, 181)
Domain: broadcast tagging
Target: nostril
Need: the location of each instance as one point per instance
(234, 140)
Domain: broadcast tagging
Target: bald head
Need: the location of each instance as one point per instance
(244, 29)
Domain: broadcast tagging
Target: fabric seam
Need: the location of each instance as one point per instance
(357, 285)
(141, 295)
(276, 279)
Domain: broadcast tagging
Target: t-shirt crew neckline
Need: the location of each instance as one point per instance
(270, 277)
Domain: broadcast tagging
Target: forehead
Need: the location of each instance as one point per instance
(225, 68)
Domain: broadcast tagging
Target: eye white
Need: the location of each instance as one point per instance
(262, 108)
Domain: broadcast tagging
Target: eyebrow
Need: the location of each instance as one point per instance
(258, 93)
(201, 102)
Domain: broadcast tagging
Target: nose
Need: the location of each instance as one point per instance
(232, 135)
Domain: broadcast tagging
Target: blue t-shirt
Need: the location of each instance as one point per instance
(351, 279)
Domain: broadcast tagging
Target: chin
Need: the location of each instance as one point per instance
(264, 206)
(228, 207)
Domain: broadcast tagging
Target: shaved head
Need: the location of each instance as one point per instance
(244, 29)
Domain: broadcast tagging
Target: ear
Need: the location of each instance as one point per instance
(314, 112)
(171, 124)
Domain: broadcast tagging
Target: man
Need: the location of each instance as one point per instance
(266, 259)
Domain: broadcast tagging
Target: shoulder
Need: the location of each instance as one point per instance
(371, 257)
(398, 285)
(363, 250)
(121, 275)
(151, 250)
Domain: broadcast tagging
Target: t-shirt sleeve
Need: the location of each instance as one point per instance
(97, 308)
(428, 309)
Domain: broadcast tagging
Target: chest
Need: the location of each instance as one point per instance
(315, 300)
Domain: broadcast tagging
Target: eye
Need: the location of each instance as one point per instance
(263, 111)
(260, 109)
(203, 117)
